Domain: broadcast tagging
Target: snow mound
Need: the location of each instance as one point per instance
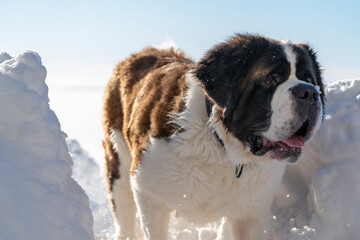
(341, 125)
(87, 173)
(319, 196)
(26, 68)
(39, 199)
(167, 44)
(335, 192)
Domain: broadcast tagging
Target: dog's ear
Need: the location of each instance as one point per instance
(223, 69)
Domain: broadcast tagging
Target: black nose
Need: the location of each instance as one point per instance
(305, 92)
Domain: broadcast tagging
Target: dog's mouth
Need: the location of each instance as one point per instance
(289, 148)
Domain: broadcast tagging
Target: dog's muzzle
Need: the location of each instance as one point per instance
(307, 107)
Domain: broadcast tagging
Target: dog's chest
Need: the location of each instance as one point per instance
(200, 184)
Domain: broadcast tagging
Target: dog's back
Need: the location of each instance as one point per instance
(155, 78)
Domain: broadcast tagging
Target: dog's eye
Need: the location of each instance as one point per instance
(273, 77)
(308, 79)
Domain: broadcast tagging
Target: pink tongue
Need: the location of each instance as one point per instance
(294, 141)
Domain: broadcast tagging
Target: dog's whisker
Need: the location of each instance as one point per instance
(258, 129)
(260, 105)
(260, 123)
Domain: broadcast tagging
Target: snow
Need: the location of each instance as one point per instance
(336, 201)
(317, 88)
(167, 43)
(318, 198)
(39, 199)
(87, 173)
(324, 185)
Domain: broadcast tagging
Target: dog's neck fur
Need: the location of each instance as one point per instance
(234, 152)
(240, 167)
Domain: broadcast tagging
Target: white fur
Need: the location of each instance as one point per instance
(291, 57)
(121, 194)
(282, 104)
(193, 175)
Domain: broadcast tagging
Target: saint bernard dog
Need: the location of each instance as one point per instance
(209, 139)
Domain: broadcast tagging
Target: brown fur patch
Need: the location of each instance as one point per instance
(144, 90)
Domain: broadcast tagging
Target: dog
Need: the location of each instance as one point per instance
(209, 139)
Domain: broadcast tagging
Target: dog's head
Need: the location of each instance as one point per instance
(269, 94)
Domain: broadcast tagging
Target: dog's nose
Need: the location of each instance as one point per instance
(305, 92)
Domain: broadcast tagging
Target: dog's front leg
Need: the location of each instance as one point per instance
(154, 217)
(250, 229)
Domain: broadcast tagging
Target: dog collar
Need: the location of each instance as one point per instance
(239, 168)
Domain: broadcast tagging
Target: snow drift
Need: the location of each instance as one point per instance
(38, 197)
(87, 173)
(323, 189)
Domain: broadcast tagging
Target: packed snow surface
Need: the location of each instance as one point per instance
(38, 197)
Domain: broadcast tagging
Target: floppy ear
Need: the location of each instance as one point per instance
(223, 69)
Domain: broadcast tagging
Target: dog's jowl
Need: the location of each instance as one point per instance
(207, 139)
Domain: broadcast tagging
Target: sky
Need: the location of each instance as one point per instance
(81, 41)
(100, 33)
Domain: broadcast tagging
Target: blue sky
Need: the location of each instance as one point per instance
(81, 41)
(100, 33)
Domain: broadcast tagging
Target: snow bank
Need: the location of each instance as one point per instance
(87, 173)
(335, 193)
(319, 197)
(39, 199)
